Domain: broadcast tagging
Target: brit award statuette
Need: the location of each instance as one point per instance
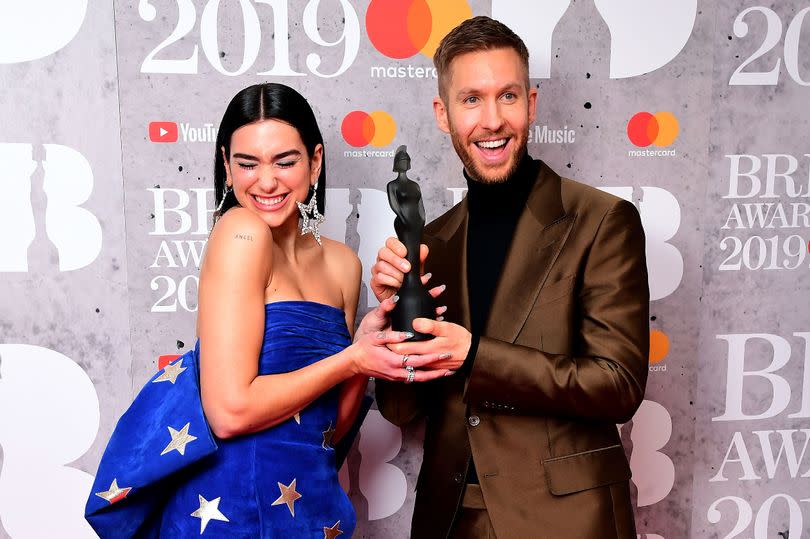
(405, 199)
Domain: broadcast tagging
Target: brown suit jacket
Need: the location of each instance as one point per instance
(563, 359)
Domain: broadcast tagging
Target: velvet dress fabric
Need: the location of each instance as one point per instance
(164, 474)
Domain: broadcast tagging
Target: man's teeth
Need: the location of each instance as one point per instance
(269, 201)
(491, 143)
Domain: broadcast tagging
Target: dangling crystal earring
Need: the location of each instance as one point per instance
(311, 217)
(225, 194)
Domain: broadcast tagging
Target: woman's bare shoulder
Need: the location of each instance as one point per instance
(242, 221)
(240, 238)
(345, 267)
(340, 254)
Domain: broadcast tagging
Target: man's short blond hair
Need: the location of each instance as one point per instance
(474, 35)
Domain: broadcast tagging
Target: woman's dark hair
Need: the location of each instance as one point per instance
(269, 101)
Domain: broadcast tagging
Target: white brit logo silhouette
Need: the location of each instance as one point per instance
(535, 24)
(645, 35)
(661, 217)
(653, 471)
(68, 183)
(55, 421)
(17, 227)
(374, 227)
(37, 28)
(383, 484)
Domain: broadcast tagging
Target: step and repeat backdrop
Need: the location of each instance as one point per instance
(695, 111)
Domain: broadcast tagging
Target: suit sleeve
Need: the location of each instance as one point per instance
(604, 378)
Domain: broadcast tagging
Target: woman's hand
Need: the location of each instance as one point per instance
(371, 357)
(377, 319)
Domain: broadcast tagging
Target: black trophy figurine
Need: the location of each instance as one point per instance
(405, 199)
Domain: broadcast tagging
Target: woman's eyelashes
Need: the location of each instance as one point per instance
(280, 164)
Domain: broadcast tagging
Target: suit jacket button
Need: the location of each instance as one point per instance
(474, 420)
(458, 477)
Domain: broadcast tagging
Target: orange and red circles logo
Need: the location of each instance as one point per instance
(361, 129)
(660, 129)
(401, 28)
(659, 346)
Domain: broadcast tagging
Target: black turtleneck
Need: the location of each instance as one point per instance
(494, 209)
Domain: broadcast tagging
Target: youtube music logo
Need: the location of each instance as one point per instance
(163, 131)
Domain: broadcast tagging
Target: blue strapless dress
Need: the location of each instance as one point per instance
(164, 474)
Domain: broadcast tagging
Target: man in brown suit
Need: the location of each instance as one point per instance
(546, 323)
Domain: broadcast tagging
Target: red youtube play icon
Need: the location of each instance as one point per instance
(165, 360)
(163, 131)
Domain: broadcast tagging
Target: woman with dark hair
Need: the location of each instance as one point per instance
(235, 438)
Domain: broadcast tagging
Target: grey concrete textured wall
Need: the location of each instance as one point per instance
(65, 352)
(104, 221)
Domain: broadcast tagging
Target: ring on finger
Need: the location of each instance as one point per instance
(405, 359)
(411, 374)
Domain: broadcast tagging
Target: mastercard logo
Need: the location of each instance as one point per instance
(660, 129)
(401, 28)
(659, 346)
(361, 129)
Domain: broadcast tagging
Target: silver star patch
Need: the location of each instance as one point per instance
(170, 372)
(115, 493)
(208, 511)
(180, 438)
(288, 496)
(327, 437)
(312, 218)
(333, 532)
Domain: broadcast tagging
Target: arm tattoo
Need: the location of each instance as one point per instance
(248, 237)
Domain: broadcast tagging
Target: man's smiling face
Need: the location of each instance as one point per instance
(487, 110)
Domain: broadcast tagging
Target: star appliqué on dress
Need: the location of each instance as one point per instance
(312, 219)
(115, 493)
(334, 531)
(180, 438)
(209, 511)
(288, 496)
(170, 372)
(327, 437)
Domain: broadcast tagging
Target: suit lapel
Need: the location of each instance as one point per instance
(451, 263)
(539, 236)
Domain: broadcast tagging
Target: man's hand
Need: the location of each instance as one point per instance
(446, 351)
(389, 270)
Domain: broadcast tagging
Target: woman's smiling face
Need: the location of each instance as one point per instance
(269, 169)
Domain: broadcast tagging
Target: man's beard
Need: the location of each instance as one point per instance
(469, 163)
